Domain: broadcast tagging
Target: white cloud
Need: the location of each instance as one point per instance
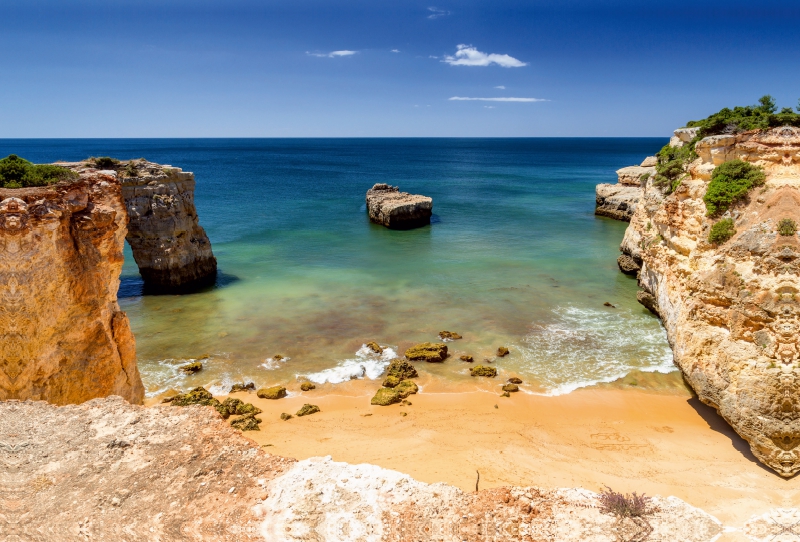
(501, 87)
(489, 106)
(332, 54)
(528, 100)
(436, 13)
(467, 55)
(395, 50)
(432, 56)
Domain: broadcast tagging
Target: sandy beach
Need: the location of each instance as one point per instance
(631, 440)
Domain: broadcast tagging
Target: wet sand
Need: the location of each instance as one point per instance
(631, 440)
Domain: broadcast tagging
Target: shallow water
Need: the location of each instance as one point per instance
(514, 257)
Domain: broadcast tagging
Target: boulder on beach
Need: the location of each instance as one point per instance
(275, 392)
(247, 423)
(406, 388)
(197, 396)
(468, 359)
(449, 335)
(307, 409)
(385, 397)
(510, 388)
(502, 352)
(375, 347)
(191, 368)
(430, 352)
(307, 386)
(391, 382)
(401, 369)
(397, 210)
(514, 380)
(482, 370)
(249, 386)
(285, 416)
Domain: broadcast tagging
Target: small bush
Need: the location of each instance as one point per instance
(787, 227)
(103, 162)
(625, 506)
(721, 231)
(131, 170)
(16, 172)
(730, 183)
(672, 164)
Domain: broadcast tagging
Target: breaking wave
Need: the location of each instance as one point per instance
(366, 364)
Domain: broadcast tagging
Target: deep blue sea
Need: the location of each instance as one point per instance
(514, 257)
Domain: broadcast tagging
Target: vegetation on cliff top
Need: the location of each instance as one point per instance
(730, 183)
(16, 172)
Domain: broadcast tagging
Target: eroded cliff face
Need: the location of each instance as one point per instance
(732, 312)
(619, 201)
(63, 338)
(170, 247)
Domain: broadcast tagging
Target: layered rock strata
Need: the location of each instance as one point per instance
(63, 337)
(619, 201)
(170, 247)
(108, 470)
(397, 210)
(732, 312)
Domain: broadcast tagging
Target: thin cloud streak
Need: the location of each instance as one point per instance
(436, 13)
(524, 100)
(467, 55)
(332, 54)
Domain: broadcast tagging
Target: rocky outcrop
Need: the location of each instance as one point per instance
(108, 470)
(63, 338)
(170, 247)
(619, 201)
(732, 312)
(397, 210)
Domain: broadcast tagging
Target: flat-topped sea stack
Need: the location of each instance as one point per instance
(716, 239)
(397, 210)
(63, 337)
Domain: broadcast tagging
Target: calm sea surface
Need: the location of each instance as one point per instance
(514, 257)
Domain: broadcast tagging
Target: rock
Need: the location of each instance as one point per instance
(406, 388)
(170, 247)
(307, 409)
(275, 392)
(385, 397)
(247, 423)
(648, 300)
(247, 408)
(482, 370)
(607, 304)
(510, 388)
(307, 386)
(228, 407)
(449, 336)
(616, 201)
(197, 396)
(502, 352)
(191, 368)
(250, 386)
(634, 175)
(401, 369)
(505, 394)
(468, 359)
(391, 382)
(515, 380)
(277, 357)
(731, 311)
(389, 207)
(650, 161)
(628, 265)
(285, 416)
(430, 352)
(375, 347)
(64, 338)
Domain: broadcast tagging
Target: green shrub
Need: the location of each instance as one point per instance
(131, 170)
(16, 172)
(730, 183)
(103, 162)
(672, 164)
(721, 231)
(787, 227)
(750, 117)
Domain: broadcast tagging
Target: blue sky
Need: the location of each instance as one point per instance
(244, 68)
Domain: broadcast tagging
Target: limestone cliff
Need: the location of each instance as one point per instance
(63, 338)
(619, 201)
(397, 210)
(170, 247)
(731, 311)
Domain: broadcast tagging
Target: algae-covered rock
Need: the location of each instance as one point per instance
(515, 380)
(191, 368)
(307, 409)
(406, 388)
(228, 407)
(247, 423)
(285, 416)
(247, 408)
(277, 357)
(510, 388)
(505, 394)
(482, 370)
(468, 359)
(502, 352)
(249, 386)
(275, 392)
(401, 369)
(307, 386)
(375, 347)
(198, 396)
(385, 397)
(391, 382)
(430, 352)
(449, 335)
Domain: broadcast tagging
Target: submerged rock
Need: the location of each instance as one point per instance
(502, 352)
(307, 386)
(406, 388)
(389, 207)
(249, 386)
(307, 409)
(375, 347)
(401, 369)
(385, 397)
(247, 423)
(449, 335)
(510, 388)
(275, 392)
(430, 352)
(468, 359)
(482, 370)
(191, 368)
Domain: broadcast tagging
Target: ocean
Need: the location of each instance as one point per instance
(514, 257)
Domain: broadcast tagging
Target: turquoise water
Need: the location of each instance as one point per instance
(514, 257)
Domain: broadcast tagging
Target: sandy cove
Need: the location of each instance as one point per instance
(631, 440)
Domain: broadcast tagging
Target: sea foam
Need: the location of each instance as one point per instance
(366, 364)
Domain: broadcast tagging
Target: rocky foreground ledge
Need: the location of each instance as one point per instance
(397, 210)
(108, 470)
